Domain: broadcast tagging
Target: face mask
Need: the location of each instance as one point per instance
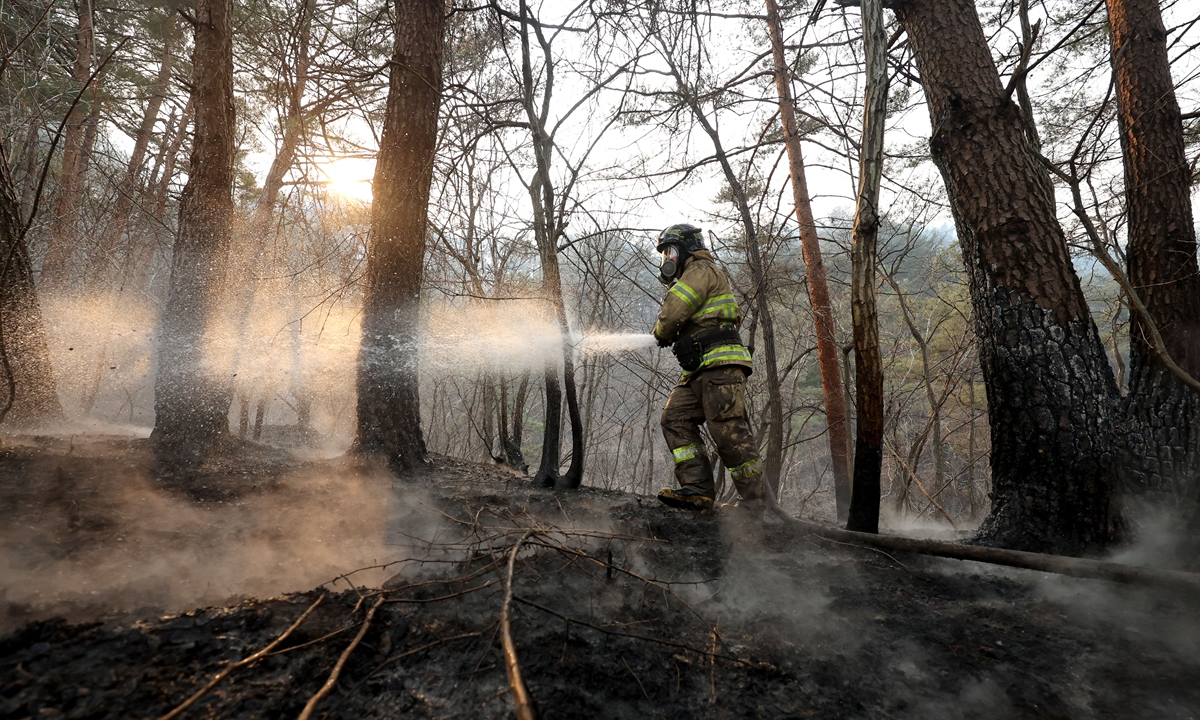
(669, 266)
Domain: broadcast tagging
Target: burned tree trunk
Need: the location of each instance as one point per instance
(1163, 451)
(487, 391)
(868, 359)
(191, 400)
(243, 416)
(1051, 396)
(61, 245)
(28, 393)
(818, 286)
(389, 411)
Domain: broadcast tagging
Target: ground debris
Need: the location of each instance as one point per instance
(620, 609)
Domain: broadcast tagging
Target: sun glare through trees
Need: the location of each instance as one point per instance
(348, 177)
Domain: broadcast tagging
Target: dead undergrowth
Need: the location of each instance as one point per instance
(444, 592)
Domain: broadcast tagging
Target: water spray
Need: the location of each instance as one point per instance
(612, 343)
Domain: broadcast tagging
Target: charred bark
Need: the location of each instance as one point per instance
(818, 287)
(389, 412)
(1050, 391)
(868, 358)
(191, 400)
(1162, 454)
(243, 416)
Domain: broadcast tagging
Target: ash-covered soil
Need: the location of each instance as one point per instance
(621, 608)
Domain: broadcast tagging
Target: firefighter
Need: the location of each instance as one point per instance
(700, 320)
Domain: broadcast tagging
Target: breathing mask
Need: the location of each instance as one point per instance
(672, 263)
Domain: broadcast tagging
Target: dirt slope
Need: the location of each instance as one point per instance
(623, 609)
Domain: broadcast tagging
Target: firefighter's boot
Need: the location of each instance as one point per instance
(687, 497)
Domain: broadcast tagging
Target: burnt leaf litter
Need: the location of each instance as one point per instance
(621, 609)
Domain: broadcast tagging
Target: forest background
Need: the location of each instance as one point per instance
(653, 114)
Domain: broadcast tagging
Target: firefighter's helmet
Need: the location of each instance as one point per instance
(689, 237)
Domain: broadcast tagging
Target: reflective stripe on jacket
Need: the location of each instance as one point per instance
(700, 299)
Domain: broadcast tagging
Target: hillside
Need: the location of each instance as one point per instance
(621, 608)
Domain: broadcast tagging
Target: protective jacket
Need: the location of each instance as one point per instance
(702, 299)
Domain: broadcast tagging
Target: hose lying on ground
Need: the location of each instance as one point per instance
(1059, 564)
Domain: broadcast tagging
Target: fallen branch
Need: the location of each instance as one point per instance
(1057, 564)
(241, 663)
(311, 706)
(523, 704)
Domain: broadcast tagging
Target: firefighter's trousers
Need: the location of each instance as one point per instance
(716, 397)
